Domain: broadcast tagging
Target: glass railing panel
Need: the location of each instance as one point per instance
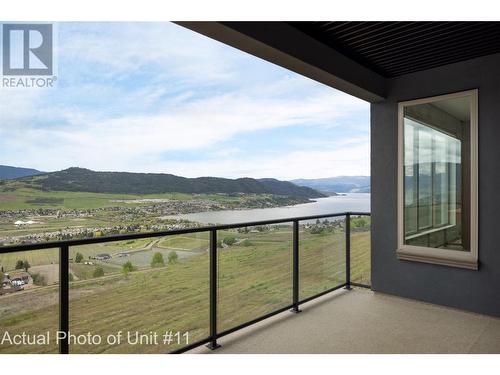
(140, 296)
(321, 255)
(29, 301)
(254, 272)
(361, 249)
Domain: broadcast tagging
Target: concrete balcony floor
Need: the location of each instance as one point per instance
(361, 321)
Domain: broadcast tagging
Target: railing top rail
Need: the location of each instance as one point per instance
(171, 232)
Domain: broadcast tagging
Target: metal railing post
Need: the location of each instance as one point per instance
(213, 291)
(348, 251)
(295, 308)
(64, 298)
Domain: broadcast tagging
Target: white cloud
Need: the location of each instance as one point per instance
(105, 126)
(347, 161)
(122, 48)
(122, 142)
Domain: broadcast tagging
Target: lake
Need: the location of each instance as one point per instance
(359, 202)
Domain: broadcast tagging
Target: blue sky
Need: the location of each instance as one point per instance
(155, 97)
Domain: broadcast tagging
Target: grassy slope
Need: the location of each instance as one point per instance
(79, 179)
(253, 280)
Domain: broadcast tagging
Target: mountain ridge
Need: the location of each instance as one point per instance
(8, 173)
(339, 184)
(86, 180)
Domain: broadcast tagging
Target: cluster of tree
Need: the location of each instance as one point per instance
(316, 229)
(228, 241)
(259, 228)
(39, 279)
(324, 226)
(23, 265)
(360, 222)
(158, 260)
(231, 240)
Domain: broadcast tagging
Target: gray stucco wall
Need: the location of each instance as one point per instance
(477, 291)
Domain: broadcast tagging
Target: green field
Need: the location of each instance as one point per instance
(254, 278)
(184, 243)
(25, 198)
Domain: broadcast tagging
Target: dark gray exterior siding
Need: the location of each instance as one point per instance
(477, 291)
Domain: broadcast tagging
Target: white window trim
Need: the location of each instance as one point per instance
(447, 257)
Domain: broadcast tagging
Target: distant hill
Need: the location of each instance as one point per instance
(85, 180)
(9, 173)
(340, 184)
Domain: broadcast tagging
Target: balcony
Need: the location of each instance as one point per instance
(365, 322)
(297, 285)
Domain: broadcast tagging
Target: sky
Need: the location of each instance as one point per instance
(156, 97)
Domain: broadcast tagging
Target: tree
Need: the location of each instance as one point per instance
(317, 230)
(229, 240)
(78, 257)
(360, 222)
(172, 257)
(98, 272)
(158, 260)
(20, 264)
(128, 267)
(39, 279)
(26, 265)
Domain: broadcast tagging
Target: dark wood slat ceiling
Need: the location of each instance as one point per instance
(396, 48)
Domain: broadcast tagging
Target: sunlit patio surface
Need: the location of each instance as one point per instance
(362, 321)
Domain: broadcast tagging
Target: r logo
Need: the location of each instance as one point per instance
(27, 49)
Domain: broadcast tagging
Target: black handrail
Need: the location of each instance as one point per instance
(170, 232)
(212, 229)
